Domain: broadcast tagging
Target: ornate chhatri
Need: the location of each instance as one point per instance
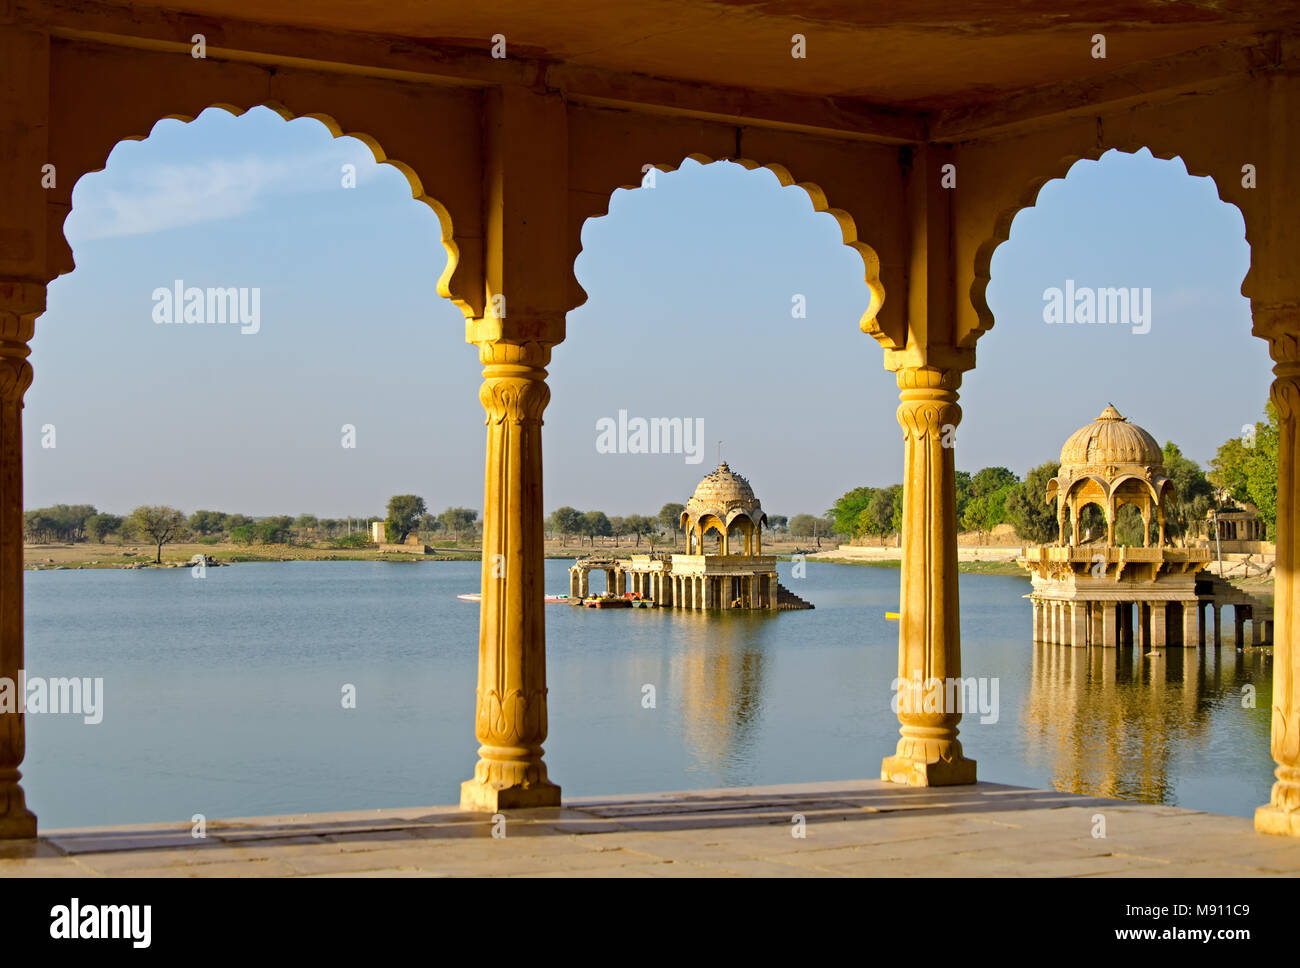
(722, 502)
(737, 576)
(1087, 591)
(1110, 462)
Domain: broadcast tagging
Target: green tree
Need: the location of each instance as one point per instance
(157, 523)
(596, 524)
(670, 516)
(801, 526)
(990, 480)
(887, 510)
(207, 522)
(404, 512)
(849, 507)
(1228, 470)
(986, 511)
(306, 523)
(1129, 527)
(62, 522)
(963, 488)
(100, 526)
(459, 520)
(1027, 507)
(1193, 495)
(566, 521)
(273, 530)
(640, 525)
(776, 523)
(243, 534)
(1261, 470)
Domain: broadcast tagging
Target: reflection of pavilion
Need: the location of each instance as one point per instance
(1107, 722)
(739, 575)
(720, 688)
(1098, 593)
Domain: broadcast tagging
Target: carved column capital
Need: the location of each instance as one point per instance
(20, 304)
(927, 401)
(514, 381)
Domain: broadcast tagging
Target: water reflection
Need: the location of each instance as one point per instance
(1115, 722)
(720, 682)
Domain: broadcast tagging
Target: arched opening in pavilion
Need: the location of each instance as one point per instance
(1116, 487)
(308, 411)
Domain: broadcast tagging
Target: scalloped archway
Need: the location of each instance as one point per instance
(869, 322)
(1028, 198)
(336, 130)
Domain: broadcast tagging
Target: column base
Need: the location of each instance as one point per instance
(16, 821)
(914, 772)
(1281, 816)
(490, 798)
(1274, 820)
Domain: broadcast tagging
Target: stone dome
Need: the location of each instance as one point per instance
(723, 488)
(1110, 440)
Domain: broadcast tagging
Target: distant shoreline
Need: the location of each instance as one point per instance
(80, 557)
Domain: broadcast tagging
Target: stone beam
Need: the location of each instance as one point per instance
(412, 60)
(1163, 79)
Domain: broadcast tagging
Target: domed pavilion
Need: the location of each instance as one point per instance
(1110, 463)
(1089, 591)
(738, 576)
(723, 502)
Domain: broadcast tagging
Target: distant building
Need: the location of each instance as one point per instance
(377, 534)
(1240, 531)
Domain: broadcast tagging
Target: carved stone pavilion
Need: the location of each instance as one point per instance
(738, 576)
(1090, 591)
(922, 152)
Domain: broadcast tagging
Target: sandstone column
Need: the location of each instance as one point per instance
(1191, 625)
(1079, 624)
(1159, 624)
(1109, 625)
(32, 251)
(1282, 813)
(510, 720)
(20, 304)
(929, 645)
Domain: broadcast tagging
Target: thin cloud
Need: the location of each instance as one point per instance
(157, 198)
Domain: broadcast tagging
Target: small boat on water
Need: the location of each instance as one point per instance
(549, 599)
(606, 601)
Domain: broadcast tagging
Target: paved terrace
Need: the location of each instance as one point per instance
(853, 828)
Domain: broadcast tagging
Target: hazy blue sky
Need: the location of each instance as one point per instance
(689, 315)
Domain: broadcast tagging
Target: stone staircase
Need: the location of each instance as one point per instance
(788, 601)
(1220, 592)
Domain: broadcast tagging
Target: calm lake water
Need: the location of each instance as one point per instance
(223, 695)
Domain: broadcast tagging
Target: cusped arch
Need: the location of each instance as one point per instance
(869, 323)
(1028, 198)
(1151, 488)
(1074, 484)
(735, 513)
(337, 130)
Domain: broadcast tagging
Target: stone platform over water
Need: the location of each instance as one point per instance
(852, 828)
